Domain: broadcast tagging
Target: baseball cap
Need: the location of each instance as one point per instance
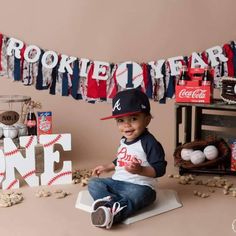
(129, 102)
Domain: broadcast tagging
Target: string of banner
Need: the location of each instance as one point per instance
(96, 81)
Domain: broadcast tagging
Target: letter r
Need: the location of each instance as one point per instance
(16, 45)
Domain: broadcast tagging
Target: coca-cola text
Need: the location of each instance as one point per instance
(192, 93)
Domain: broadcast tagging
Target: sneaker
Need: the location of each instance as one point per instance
(103, 216)
(100, 202)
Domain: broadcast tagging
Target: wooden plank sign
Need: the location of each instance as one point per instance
(9, 117)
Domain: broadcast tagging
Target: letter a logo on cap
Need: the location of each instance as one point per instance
(117, 106)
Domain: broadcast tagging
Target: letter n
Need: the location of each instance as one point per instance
(24, 165)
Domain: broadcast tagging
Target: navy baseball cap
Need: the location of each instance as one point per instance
(129, 102)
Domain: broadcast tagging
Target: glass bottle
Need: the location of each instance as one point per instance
(31, 121)
(206, 81)
(183, 76)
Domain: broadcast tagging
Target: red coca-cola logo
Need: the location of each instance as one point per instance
(31, 123)
(196, 93)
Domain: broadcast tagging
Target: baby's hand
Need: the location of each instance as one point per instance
(103, 168)
(98, 170)
(134, 167)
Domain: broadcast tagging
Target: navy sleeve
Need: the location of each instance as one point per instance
(155, 154)
(115, 162)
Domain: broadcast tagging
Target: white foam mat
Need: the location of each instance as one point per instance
(167, 200)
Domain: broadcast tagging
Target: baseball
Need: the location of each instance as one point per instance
(10, 131)
(197, 157)
(122, 74)
(211, 152)
(22, 129)
(185, 154)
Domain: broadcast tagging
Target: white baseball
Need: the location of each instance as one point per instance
(122, 74)
(197, 157)
(185, 154)
(22, 129)
(211, 152)
(10, 131)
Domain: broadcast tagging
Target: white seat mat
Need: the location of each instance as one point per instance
(167, 200)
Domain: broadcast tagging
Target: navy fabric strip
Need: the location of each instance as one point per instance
(17, 73)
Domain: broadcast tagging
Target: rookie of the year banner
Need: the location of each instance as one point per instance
(129, 74)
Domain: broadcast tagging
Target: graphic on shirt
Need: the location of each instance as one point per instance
(147, 151)
(124, 158)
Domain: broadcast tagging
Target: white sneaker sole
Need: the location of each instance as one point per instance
(101, 217)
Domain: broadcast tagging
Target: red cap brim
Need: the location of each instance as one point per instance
(120, 115)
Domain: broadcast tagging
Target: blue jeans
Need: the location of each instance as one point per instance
(133, 196)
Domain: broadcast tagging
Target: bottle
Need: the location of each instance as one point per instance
(206, 81)
(31, 121)
(183, 76)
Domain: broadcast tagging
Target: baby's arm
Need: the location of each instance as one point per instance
(103, 168)
(136, 168)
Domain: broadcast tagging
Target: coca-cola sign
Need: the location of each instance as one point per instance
(193, 94)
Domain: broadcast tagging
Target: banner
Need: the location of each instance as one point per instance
(96, 81)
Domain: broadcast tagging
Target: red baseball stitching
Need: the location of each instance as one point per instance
(12, 184)
(2, 174)
(24, 177)
(122, 72)
(53, 141)
(29, 141)
(58, 176)
(17, 150)
(135, 77)
(29, 174)
(11, 152)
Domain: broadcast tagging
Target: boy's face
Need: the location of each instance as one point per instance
(131, 127)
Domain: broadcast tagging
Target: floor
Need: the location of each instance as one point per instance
(50, 216)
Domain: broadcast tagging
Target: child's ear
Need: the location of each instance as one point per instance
(148, 119)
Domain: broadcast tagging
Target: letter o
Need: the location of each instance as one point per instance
(54, 61)
(36, 56)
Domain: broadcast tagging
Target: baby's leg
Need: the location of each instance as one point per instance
(100, 188)
(135, 197)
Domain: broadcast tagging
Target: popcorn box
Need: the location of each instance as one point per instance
(233, 154)
(44, 122)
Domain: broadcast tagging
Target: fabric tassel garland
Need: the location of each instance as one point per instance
(83, 85)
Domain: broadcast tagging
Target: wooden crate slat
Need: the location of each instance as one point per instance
(218, 120)
(219, 134)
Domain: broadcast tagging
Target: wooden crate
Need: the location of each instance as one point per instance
(198, 121)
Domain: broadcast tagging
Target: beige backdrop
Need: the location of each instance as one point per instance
(112, 31)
